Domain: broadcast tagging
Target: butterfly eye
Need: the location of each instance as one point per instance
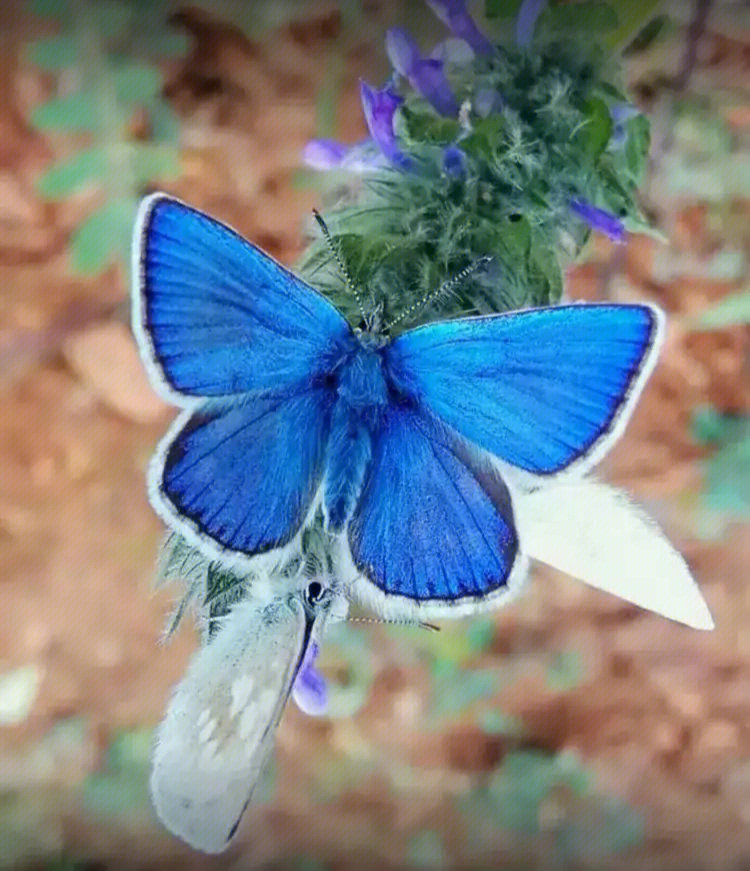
(314, 593)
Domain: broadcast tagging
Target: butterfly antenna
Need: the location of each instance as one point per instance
(422, 625)
(340, 262)
(444, 288)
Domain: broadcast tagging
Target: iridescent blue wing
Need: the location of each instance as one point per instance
(544, 389)
(216, 316)
(240, 480)
(433, 531)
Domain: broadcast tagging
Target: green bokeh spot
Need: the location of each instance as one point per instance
(426, 850)
(566, 670)
(122, 787)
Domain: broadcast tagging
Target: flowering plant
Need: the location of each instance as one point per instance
(505, 153)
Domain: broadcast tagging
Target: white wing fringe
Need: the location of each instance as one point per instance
(594, 533)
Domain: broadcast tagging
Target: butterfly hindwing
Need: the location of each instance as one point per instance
(240, 480)
(543, 389)
(433, 529)
(216, 316)
(218, 731)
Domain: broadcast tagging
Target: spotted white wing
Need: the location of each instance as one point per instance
(219, 727)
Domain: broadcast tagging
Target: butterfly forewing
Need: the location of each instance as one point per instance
(216, 316)
(544, 389)
(219, 727)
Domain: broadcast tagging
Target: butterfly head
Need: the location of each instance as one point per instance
(323, 597)
(370, 329)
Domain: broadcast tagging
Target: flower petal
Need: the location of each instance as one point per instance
(324, 153)
(455, 16)
(310, 692)
(599, 219)
(425, 74)
(403, 52)
(428, 78)
(593, 532)
(454, 161)
(526, 20)
(379, 108)
(364, 157)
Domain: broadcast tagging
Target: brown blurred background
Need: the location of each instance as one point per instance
(569, 730)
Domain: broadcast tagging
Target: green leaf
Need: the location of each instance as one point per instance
(514, 240)
(501, 8)
(164, 45)
(54, 53)
(149, 161)
(731, 311)
(487, 138)
(544, 262)
(589, 17)
(659, 27)
(633, 16)
(165, 125)
(136, 83)
(637, 146)
(111, 18)
(597, 129)
(418, 124)
(72, 175)
(74, 113)
(104, 236)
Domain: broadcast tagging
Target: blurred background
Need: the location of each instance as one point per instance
(569, 730)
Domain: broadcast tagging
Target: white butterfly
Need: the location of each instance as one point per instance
(594, 533)
(220, 725)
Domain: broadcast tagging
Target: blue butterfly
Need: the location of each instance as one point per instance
(411, 446)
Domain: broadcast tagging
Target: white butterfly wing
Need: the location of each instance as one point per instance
(219, 727)
(594, 533)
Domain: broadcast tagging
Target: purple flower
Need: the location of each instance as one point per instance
(425, 74)
(310, 692)
(454, 161)
(455, 16)
(325, 154)
(379, 108)
(620, 113)
(526, 20)
(599, 219)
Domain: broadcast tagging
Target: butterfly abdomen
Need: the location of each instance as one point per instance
(361, 398)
